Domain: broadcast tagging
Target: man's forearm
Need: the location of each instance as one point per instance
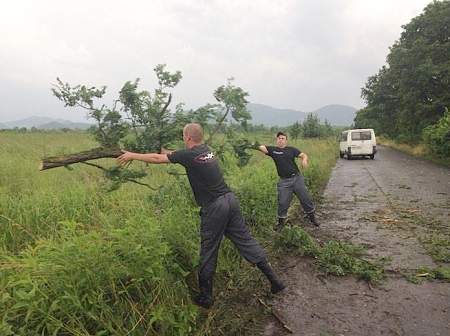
(150, 157)
(263, 149)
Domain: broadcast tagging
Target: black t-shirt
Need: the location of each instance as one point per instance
(284, 159)
(203, 172)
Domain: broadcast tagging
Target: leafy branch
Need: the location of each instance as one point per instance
(141, 121)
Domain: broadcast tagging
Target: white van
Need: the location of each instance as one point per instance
(358, 142)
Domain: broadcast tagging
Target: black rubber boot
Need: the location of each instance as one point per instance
(280, 224)
(312, 219)
(275, 284)
(204, 298)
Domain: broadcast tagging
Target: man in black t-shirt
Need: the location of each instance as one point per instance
(291, 180)
(220, 211)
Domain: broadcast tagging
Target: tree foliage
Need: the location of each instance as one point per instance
(295, 130)
(110, 128)
(142, 121)
(311, 126)
(232, 103)
(411, 92)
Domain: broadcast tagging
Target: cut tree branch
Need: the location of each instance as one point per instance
(93, 154)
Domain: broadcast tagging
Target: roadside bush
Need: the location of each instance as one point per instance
(437, 136)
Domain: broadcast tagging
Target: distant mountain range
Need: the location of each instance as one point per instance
(44, 123)
(337, 115)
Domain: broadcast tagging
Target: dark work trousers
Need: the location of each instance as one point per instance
(223, 217)
(286, 187)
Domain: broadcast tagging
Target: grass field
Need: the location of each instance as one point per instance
(77, 260)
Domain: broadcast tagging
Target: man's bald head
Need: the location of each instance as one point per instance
(194, 132)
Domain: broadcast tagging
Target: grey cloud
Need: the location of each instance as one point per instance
(295, 54)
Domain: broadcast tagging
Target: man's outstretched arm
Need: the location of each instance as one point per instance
(262, 148)
(148, 157)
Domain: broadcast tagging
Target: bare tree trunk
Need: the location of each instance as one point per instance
(64, 160)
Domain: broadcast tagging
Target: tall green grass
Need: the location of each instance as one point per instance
(76, 260)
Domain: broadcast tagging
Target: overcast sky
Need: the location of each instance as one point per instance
(288, 54)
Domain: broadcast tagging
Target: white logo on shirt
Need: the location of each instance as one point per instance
(205, 157)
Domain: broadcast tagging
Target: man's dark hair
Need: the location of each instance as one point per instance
(281, 133)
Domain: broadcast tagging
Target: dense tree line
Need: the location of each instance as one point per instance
(411, 92)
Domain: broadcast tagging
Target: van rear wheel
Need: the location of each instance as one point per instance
(341, 155)
(349, 156)
(372, 156)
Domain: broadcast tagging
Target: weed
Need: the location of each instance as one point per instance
(437, 246)
(334, 257)
(441, 273)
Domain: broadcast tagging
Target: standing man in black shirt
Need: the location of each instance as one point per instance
(220, 211)
(291, 180)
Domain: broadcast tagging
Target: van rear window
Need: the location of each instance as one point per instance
(344, 136)
(365, 135)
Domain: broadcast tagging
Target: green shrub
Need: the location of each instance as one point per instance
(437, 136)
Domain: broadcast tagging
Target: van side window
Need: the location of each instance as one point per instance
(344, 136)
(365, 135)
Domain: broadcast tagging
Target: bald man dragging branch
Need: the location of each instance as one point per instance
(220, 211)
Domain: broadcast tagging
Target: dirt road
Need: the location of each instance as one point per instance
(392, 205)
